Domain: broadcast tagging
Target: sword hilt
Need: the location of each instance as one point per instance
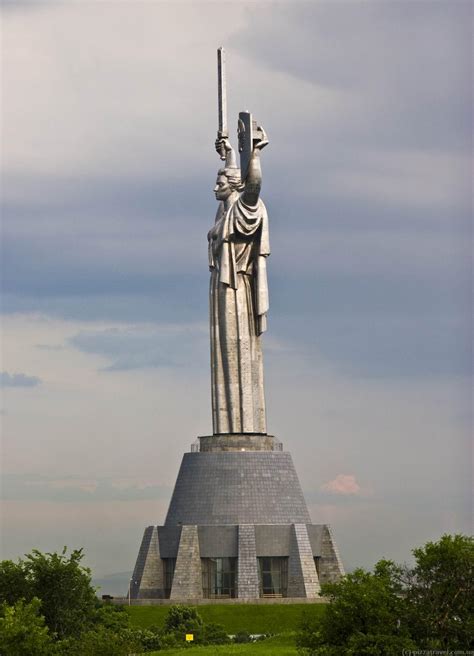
(222, 151)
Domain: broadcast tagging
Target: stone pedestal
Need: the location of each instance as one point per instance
(237, 504)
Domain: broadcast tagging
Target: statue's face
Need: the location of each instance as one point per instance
(222, 189)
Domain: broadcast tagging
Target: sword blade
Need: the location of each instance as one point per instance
(221, 93)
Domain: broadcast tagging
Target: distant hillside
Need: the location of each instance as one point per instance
(115, 585)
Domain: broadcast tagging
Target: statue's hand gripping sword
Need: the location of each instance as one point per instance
(222, 132)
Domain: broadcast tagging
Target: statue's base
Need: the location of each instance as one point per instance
(237, 527)
(239, 442)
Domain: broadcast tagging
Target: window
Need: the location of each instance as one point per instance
(219, 577)
(273, 573)
(168, 573)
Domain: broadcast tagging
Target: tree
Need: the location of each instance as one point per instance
(68, 600)
(23, 631)
(364, 616)
(13, 582)
(429, 606)
(440, 594)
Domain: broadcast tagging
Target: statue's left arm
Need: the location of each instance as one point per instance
(253, 181)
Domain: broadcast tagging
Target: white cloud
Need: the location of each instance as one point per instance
(342, 484)
(18, 380)
(105, 87)
(405, 177)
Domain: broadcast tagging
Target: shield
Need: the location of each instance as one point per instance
(246, 133)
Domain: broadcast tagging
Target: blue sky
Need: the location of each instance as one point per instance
(108, 164)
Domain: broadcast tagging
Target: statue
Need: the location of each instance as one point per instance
(238, 295)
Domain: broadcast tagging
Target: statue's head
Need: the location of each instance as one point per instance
(228, 181)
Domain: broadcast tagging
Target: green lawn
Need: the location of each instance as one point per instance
(283, 645)
(254, 618)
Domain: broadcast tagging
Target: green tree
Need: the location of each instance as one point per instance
(429, 606)
(440, 593)
(23, 631)
(364, 617)
(68, 600)
(13, 582)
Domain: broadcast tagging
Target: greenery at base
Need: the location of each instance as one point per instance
(440, 594)
(428, 607)
(68, 600)
(362, 618)
(252, 618)
(48, 608)
(23, 631)
(280, 645)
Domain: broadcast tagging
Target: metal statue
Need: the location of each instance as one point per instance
(238, 297)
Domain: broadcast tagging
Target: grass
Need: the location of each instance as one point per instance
(282, 645)
(254, 618)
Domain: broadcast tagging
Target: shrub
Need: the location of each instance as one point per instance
(23, 631)
(213, 634)
(242, 637)
(363, 618)
(427, 607)
(182, 620)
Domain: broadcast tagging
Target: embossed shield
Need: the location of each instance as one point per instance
(246, 132)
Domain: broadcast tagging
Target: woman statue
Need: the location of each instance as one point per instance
(238, 297)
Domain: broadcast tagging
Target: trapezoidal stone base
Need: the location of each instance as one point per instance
(237, 527)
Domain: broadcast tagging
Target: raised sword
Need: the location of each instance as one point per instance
(222, 132)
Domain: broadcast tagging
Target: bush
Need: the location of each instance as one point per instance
(63, 586)
(112, 617)
(440, 594)
(363, 618)
(242, 637)
(185, 619)
(214, 634)
(100, 642)
(68, 600)
(147, 639)
(182, 620)
(428, 607)
(23, 631)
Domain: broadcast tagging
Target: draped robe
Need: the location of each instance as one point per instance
(238, 303)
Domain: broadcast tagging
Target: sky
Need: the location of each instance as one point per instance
(108, 163)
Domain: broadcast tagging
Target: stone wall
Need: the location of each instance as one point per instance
(331, 567)
(248, 582)
(187, 581)
(302, 576)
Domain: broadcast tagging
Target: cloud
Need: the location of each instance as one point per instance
(345, 484)
(18, 380)
(402, 75)
(72, 489)
(139, 347)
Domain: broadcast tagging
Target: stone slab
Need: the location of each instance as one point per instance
(249, 487)
(239, 442)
